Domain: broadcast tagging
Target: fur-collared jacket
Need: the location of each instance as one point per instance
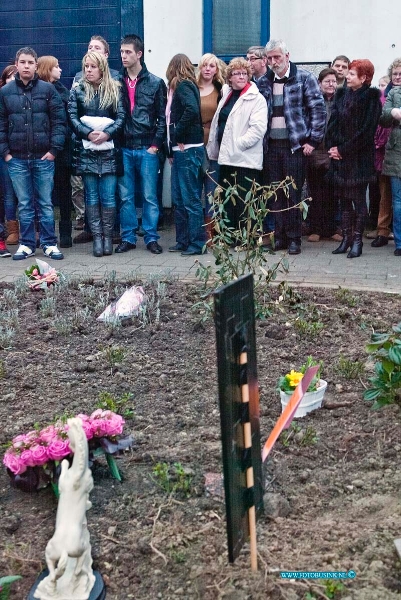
(352, 126)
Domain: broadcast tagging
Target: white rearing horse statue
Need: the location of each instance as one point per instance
(68, 553)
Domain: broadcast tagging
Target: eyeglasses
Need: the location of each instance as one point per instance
(239, 74)
(253, 58)
(329, 82)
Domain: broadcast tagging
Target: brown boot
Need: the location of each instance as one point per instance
(209, 231)
(13, 233)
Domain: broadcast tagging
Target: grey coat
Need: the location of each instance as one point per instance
(392, 157)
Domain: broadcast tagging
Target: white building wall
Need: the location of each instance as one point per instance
(319, 30)
(315, 30)
(171, 27)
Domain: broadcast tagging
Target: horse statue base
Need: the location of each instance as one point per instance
(68, 552)
(98, 592)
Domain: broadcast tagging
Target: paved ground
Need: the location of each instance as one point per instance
(376, 270)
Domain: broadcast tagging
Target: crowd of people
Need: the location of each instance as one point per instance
(98, 150)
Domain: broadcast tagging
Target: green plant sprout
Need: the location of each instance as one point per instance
(118, 405)
(173, 479)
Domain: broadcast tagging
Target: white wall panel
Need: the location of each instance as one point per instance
(318, 30)
(172, 26)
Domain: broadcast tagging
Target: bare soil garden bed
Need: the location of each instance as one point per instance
(332, 482)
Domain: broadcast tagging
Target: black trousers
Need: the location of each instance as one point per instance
(281, 162)
(241, 176)
(62, 189)
(323, 208)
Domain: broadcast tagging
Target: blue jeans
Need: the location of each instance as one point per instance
(186, 191)
(141, 170)
(7, 192)
(396, 194)
(210, 185)
(100, 189)
(32, 181)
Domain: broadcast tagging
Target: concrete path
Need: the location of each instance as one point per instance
(376, 270)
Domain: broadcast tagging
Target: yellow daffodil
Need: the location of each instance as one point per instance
(293, 378)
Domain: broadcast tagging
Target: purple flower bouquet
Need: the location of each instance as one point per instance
(33, 459)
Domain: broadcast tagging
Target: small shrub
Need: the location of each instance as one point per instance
(89, 292)
(239, 251)
(118, 405)
(308, 328)
(349, 369)
(179, 556)
(173, 479)
(47, 306)
(80, 317)
(303, 437)
(20, 286)
(334, 588)
(386, 383)
(114, 355)
(9, 318)
(110, 277)
(345, 297)
(62, 325)
(10, 298)
(6, 337)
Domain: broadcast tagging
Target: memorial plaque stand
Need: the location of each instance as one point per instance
(239, 413)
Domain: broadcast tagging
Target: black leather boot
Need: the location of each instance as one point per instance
(97, 245)
(95, 224)
(346, 226)
(108, 217)
(356, 249)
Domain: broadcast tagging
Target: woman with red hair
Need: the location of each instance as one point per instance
(350, 139)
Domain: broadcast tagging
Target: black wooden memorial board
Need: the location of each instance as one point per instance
(235, 334)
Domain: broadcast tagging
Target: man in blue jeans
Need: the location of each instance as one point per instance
(145, 97)
(32, 132)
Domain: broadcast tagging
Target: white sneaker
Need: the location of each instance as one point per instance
(53, 252)
(23, 252)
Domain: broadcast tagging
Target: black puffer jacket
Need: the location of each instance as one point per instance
(32, 119)
(352, 126)
(90, 161)
(146, 125)
(185, 116)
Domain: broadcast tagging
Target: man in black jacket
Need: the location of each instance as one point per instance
(32, 132)
(145, 97)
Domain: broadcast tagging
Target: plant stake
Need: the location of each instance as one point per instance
(249, 472)
(290, 410)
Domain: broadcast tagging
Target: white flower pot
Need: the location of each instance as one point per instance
(309, 402)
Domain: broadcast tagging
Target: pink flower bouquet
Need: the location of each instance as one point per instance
(33, 459)
(41, 276)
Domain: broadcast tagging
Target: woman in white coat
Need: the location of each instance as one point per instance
(236, 134)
